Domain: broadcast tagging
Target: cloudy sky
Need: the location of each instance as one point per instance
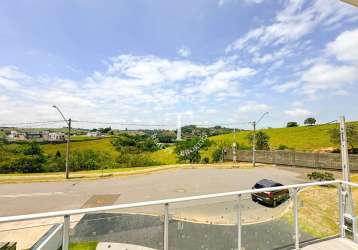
(145, 61)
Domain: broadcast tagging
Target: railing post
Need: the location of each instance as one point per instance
(295, 216)
(66, 232)
(239, 228)
(341, 210)
(166, 226)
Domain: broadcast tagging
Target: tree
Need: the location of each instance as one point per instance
(292, 124)
(189, 150)
(262, 140)
(310, 121)
(352, 136)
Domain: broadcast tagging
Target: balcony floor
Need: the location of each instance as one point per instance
(334, 244)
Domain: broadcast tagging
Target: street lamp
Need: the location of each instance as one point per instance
(68, 122)
(254, 124)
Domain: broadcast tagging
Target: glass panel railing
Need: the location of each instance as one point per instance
(205, 224)
(119, 229)
(318, 213)
(265, 221)
(29, 234)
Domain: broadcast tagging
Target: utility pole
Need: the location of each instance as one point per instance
(254, 145)
(68, 149)
(179, 128)
(254, 124)
(68, 122)
(349, 219)
(234, 148)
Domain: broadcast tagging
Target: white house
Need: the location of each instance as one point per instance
(56, 137)
(94, 134)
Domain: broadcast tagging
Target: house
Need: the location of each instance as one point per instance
(56, 137)
(94, 134)
(16, 136)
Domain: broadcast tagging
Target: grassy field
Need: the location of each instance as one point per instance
(101, 144)
(305, 138)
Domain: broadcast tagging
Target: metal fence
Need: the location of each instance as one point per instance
(98, 225)
(298, 159)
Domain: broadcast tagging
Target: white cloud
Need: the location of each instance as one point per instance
(282, 88)
(321, 77)
(123, 88)
(295, 21)
(184, 52)
(253, 106)
(344, 48)
(223, 2)
(298, 112)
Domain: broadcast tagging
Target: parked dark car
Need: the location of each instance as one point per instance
(273, 198)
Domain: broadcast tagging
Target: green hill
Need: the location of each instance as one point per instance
(304, 138)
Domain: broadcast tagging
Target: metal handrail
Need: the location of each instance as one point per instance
(161, 202)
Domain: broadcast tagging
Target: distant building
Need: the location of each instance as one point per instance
(56, 137)
(35, 136)
(94, 134)
(16, 136)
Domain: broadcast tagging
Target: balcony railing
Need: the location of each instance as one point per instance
(313, 212)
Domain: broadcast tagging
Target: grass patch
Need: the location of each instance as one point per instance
(84, 245)
(318, 212)
(164, 156)
(100, 145)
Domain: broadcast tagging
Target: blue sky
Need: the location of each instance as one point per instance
(212, 61)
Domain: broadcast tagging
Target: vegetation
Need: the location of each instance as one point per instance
(310, 121)
(84, 245)
(319, 176)
(282, 147)
(261, 139)
(131, 150)
(352, 136)
(189, 150)
(304, 138)
(292, 124)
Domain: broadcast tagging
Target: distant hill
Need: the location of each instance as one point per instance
(303, 138)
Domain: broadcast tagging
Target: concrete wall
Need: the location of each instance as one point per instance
(299, 159)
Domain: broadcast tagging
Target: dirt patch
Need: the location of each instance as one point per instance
(101, 200)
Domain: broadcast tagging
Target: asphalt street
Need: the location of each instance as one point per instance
(16, 199)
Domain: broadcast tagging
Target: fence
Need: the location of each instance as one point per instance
(298, 159)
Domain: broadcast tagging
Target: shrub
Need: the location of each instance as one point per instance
(205, 160)
(282, 147)
(218, 154)
(292, 124)
(319, 176)
(126, 159)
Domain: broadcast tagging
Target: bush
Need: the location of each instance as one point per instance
(218, 154)
(90, 160)
(282, 147)
(126, 159)
(205, 160)
(319, 176)
(292, 124)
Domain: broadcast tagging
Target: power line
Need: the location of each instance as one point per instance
(30, 123)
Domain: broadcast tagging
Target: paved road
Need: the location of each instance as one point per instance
(27, 198)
